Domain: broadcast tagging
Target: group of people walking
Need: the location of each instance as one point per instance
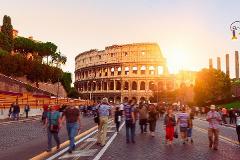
(54, 121)
(14, 111)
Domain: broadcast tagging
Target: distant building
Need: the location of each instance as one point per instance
(15, 32)
(130, 71)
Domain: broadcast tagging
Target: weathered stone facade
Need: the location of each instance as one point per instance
(122, 71)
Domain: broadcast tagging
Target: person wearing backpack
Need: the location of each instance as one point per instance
(53, 125)
(129, 121)
(169, 122)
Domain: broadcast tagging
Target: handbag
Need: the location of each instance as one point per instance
(53, 128)
(175, 135)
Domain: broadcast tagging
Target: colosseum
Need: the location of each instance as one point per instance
(130, 71)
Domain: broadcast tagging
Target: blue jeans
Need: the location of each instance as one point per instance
(130, 129)
(55, 135)
(72, 129)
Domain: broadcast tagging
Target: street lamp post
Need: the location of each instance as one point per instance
(235, 28)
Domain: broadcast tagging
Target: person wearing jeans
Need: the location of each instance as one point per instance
(214, 119)
(53, 124)
(129, 121)
(73, 124)
(143, 116)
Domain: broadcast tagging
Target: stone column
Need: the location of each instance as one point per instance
(219, 63)
(237, 64)
(227, 65)
(210, 63)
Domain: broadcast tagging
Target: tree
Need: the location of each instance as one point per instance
(73, 93)
(66, 81)
(211, 85)
(24, 45)
(59, 59)
(7, 30)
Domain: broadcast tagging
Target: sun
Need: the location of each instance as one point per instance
(176, 60)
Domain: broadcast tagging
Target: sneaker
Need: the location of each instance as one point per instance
(215, 148)
(58, 146)
(184, 142)
(191, 141)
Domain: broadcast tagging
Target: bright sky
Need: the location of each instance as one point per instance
(188, 31)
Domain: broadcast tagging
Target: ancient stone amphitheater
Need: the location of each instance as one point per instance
(122, 72)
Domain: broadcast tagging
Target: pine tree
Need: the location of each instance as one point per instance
(7, 30)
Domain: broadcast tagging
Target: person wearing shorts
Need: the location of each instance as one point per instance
(183, 119)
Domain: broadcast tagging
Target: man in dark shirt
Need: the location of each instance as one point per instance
(73, 124)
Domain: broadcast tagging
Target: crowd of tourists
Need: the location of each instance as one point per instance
(14, 111)
(175, 120)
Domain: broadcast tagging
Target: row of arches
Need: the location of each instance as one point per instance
(118, 85)
(118, 99)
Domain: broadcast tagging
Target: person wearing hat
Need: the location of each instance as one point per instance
(214, 119)
(104, 111)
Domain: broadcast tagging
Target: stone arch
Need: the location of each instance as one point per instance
(142, 85)
(142, 99)
(94, 86)
(105, 86)
(85, 86)
(89, 86)
(111, 85)
(99, 86)
(125, 99)
(118, 85)
(160, 86)
(134, 85)
(126, 85)
(151, 85)
(118, 100)
(151, 99)
(111, 100)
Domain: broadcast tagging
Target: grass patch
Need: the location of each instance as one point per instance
(235, 104)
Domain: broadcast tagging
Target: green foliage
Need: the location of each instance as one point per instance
(73, 93)
(211, 85)
(235, 104)
(7, 30)
(3, 52)
(24, 45)
(66, 81)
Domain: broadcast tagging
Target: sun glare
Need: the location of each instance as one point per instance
(176, 60)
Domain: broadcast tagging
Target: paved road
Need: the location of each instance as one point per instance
(151, 148)
(23, 140)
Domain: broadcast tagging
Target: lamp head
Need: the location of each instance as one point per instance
(234, 37)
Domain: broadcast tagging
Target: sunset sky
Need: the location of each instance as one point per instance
(187, 31)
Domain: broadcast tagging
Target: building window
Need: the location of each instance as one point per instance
(134, 70)
(99, 57)
(112, 54)
(126, 70)
(126, 86)
(119, 70)
(142, 86)
(143, 53)
(106, 72)
(118, 85)
(125, 53)
(111, 85)
(134, 85)
(90, 59)
(151, 85)
(151, 70)
(160, 70)
(143, 69)
(112, 71)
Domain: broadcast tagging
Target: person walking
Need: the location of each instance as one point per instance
(117, 118)
(73, 124)
(231, 116)
(53, 125)
(224, 115)
(143, 117)
(16, 111)
(129, 121)
(169, 122)
(183, 119)
(10, 112)
(237, 114)
(152, 119)
(26, 109)
(104, 111)
(190, 127)
(214, 119)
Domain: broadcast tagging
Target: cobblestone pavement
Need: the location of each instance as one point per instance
(23, 140)
(151, 148)
(148, 148)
